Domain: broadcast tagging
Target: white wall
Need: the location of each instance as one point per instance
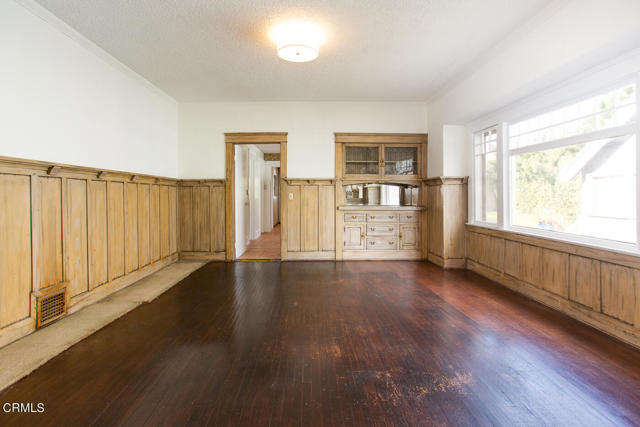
(256, 176)
(249, 184)
(243, 214)
(64, 100)
(267, 196)
(455, 150)
(310, 147)
(564, 39)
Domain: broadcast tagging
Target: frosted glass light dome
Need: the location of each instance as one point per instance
(297, 41)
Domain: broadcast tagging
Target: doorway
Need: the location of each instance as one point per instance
(256, 169)
(257, 201)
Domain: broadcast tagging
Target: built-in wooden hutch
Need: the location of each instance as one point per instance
(380, 205)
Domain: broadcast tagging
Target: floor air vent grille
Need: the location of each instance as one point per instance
(51, 306)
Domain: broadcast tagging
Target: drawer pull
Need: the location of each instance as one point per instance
(373, 229)
(409, 216)
(391, 243)
(373, 216)
(372, 243)
(390, 228)
(353, 217)
(390, 216)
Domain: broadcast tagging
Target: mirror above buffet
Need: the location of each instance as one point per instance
(381, 194)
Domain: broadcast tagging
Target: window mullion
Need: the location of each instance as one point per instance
(503, 175)
(483, 186)
(638, 160)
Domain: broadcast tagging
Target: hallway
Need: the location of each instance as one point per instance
(265, 247)
(326, 343)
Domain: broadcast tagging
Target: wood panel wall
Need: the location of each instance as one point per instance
(310, 218)
(201, 212)
(446, 202)
(598, 287)
(98, 231)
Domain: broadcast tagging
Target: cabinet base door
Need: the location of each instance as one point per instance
(353, 237)
(409, 236)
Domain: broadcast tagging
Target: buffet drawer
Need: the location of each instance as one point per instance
(354, 217)
(382, 217)
(382, 229)
(382, 243)
(409, 217)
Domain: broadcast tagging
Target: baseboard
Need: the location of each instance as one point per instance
(311, 256)
(602, 322)
(382, 255)
(17, 330)
(203, 256)
(448, 263)
(436, 259)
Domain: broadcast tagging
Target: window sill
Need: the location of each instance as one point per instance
(589, 243)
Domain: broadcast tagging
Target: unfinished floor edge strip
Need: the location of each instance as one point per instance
(27, 354)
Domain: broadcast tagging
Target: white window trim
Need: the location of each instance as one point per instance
(505, 190)
(504, 193)
(638, 160)
(577, 139)
(473, 171)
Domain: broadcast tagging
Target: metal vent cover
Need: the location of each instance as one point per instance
(51, 306)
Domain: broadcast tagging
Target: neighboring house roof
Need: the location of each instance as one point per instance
(592, 156)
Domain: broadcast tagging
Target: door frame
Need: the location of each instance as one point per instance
(246, 138)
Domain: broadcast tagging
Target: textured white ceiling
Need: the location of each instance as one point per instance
(219, 50)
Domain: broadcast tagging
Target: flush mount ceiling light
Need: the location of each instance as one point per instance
(297, 41)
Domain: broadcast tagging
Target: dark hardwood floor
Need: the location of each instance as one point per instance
(324, 343)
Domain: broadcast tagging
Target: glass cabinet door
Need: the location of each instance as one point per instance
(361, 160)
(400, 160)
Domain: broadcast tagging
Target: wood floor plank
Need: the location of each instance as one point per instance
(267, 246)
(346, 343)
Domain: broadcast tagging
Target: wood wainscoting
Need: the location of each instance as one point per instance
(446, 217)
(97, 230)
(598, 287)
(309, 209)
(201, 219)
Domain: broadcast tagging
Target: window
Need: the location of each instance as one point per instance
(570, 171)
(586, 189)
(486, 174)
